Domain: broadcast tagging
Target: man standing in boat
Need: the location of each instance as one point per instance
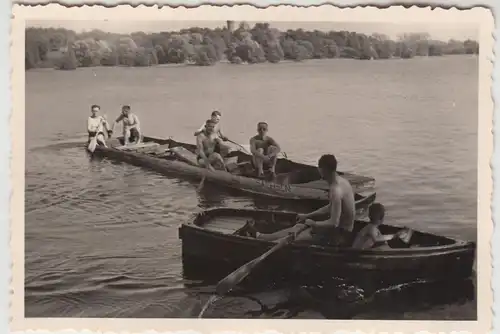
(264, 150)
(131, 126)
(206, 143)
(221, 148)
(337, 229)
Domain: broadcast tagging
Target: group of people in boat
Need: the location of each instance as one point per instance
(97, 126)
(211, 149)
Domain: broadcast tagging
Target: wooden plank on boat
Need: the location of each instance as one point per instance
(317, 184)
(137, 146)
(226, 225)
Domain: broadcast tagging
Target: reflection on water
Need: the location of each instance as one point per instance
(101, 237)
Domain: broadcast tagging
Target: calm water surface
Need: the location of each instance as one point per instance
(101, 237)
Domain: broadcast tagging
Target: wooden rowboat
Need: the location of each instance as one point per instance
(294, 181)
(210, 245)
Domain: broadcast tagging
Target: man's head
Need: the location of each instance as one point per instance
(327, 166)
(94, 109)
(376, 213)
(215, 117)
(262, 128)
(209, 126)
(126, 110)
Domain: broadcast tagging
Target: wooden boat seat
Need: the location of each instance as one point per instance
(225, 224)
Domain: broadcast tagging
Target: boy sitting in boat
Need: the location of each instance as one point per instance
(206, 143)
(370, 236)
(131, 126)
(96, 125)
(221, 148)
(336, 230)
(264, 150)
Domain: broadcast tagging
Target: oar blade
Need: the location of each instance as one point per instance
(229, 282)
(92, 144)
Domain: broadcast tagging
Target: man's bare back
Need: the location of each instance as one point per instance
(342, 189)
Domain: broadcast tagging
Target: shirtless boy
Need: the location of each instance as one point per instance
(222, 149)
(336, 230)
(370, 235)
(206, 143)
(264, 150)
(131, 126)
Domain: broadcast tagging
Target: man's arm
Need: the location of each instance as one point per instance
(116, 121)
(201, 151)
(335, 211)
(379, 237)
(274, 143)
(253, 148)
(136, 122)
(320, 212)
(200, 130)
(221, 135)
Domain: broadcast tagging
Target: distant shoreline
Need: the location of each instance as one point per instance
(67, 50)
(227, 63)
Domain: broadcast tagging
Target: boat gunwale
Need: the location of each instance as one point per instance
(369, 179)
(293, 192)
(458, 245)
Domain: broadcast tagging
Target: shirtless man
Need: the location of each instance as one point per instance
(131, 126)
(370, 235)
(96, 125)
(221, 148)
(264, 150)
(336, 230)
(206, 143)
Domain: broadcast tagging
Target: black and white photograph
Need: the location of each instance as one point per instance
(254, 169)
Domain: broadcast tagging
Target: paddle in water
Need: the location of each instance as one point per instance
(200, 186)
(229, 282)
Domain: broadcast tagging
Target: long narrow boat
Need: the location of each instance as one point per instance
(294, 181)
(210, 243)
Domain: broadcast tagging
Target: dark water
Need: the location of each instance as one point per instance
(101, 237)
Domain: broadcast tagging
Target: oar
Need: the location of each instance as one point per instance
(229, 282)
(200, 186)
(241, 146)
(93, 141)
(406, 236)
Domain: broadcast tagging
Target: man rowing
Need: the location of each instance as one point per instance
(221, 148)
(264, 150)
(206, 144)
(337, 229)
(96, 125)
(131, 126)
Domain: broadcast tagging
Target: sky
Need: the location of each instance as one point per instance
(441, 31)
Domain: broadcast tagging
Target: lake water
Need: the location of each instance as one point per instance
(101, 237)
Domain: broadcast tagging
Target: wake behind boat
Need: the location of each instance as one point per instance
(293, 181)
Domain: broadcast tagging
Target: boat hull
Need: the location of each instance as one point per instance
(241, 183)
(220, 253)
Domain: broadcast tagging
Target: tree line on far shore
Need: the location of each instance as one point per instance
(66, 50)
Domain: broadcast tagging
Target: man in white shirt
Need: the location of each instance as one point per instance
(96, 125)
